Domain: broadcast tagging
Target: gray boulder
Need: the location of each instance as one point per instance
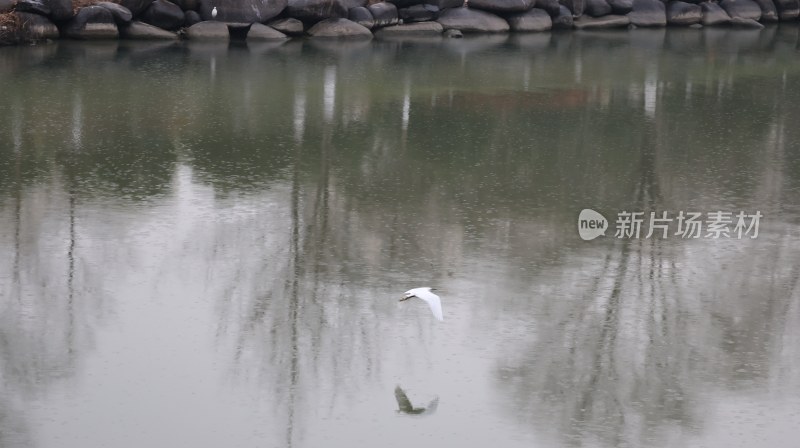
(339, 28)
(405, 3)
(535, 20)
(563, 20)
(315, 10)
(263, 32)
(418, 13)
(60, 10)
(609, 21)
(120, 13)
(137, 30)
(621, 6)
(33, 7)
(740, 22)
(411, 29)
(361, 16)
(745, 9)
(92, 22)
(713, 14)
(683, 14)
(163, 14)
(208, 30)
(787, 9)
(190, 18)
(648, 13)
(576, 6)
(36, 28)
(241, 11)
(769, 13)
(551, 6)
(189, 5)
(136, 7)
(472, 21)
(383, 14)
(288, 26)
(597, 8)
(445, 4)
(441, 4)
(502, 6)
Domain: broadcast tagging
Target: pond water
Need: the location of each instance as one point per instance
(205, 245)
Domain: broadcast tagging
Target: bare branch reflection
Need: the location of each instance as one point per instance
(631, 357)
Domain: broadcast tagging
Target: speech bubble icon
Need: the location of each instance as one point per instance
(591, 224)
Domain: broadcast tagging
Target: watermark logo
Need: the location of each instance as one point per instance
(687, 225)
(591, 224)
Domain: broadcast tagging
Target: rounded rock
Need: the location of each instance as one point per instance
(535, 20)
(502, 6)
(136, 7)
(163, 14)
(316, 10)
(411, 29)
(263, 32)
(563, 20)
(605, 22)
(92, 22)
(36, 28)
(383, 14)
(787, 9)
(597, 8)
(648, 13)
(208, 30)
(339, 28)
(472, 21)
(745, 9)
(713, 14)
(620, 6)
(551, 6)
(137, 30)
(120, 13)
(418, 13)
(190, 18)
(683, 14)
(361, 16)
(288, 26)
(769, 13)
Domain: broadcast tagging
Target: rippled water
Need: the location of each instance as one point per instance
(204, 246)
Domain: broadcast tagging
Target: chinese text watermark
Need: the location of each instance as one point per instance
(687, 225)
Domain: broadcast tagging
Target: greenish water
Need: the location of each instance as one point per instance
(204, 246)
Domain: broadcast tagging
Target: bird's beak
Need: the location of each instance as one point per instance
(405, 298)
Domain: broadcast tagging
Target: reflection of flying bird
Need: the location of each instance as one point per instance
(405, 404)
(425, 294)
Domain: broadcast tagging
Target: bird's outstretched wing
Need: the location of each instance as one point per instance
(432, 406)
(433, 301)
(402, 400)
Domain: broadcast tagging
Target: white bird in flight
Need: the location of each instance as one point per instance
(425, 294)
(214, 13)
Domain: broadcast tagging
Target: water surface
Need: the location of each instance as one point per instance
(204, 245)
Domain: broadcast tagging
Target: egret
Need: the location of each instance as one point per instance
(425, 294)
(214, 13)
(407, 408)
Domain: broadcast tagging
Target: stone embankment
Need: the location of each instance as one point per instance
(42, 20)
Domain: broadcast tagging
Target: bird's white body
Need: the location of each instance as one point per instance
(214, 13)
(434, 302)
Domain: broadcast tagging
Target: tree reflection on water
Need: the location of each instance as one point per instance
(350, 170)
